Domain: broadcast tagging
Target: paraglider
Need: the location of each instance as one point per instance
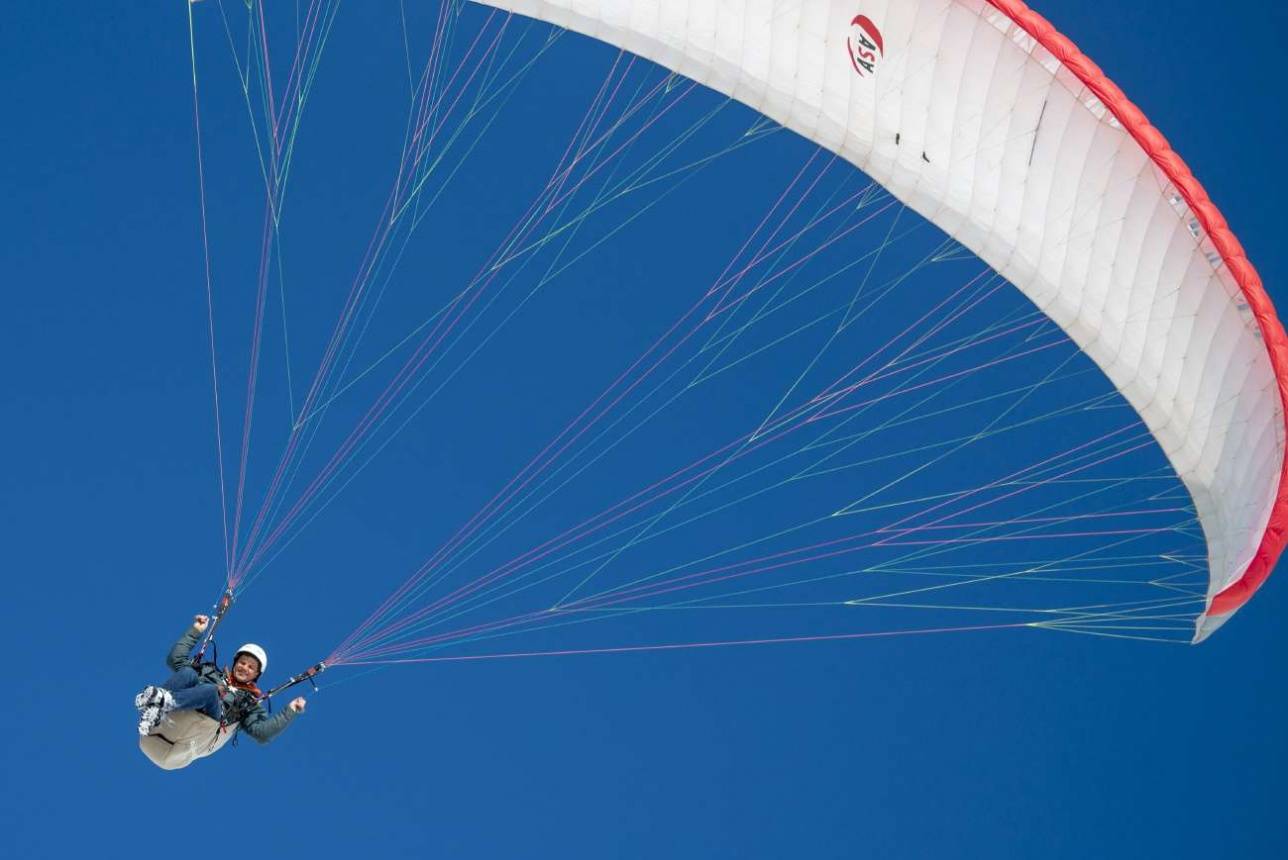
(983, 119)
(202, 706)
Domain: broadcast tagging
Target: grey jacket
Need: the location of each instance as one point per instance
(256, 720)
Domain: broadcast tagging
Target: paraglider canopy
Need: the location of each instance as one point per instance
(987, 121)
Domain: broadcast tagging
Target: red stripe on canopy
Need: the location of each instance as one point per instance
(1157, 148)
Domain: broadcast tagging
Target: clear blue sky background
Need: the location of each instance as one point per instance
(1008, 743)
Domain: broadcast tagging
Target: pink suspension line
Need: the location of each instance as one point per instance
(251, 553)
(210, 303)
(880, 634)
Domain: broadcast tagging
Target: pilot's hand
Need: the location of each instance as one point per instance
(199, 623)
(297, 705)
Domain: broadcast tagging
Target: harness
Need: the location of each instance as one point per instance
(241, 706)
(243, 701)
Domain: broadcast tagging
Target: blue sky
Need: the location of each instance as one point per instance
(1026, 742)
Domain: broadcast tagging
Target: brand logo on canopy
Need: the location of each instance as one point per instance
(865, 45)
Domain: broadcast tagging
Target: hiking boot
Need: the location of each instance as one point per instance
(149, 697)
(149, 718)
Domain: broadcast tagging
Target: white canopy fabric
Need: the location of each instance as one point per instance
(981, 117)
